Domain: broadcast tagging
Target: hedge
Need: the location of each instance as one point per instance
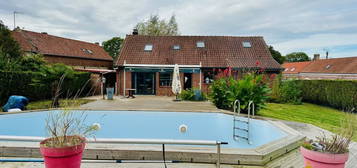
(340, 94)
(21, 83)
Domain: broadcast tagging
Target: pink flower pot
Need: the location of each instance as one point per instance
(316, 159)
(67, 157)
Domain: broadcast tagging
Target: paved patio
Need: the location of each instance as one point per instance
(290, 160)
(151, 103)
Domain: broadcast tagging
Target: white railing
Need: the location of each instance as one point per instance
(130, 141)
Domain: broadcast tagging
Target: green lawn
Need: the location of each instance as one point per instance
(45, 104)
(323, 117)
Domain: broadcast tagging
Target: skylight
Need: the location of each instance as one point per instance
(247, 44)
(87, 51)
(292, 69)
(328, 66)
(200, 44)
(177, 47)
(148, 47)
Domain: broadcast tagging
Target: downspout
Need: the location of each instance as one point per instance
(200, 75)
(124, 79)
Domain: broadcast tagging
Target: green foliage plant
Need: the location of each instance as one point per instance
(290, 92)
(154, 26)
(251, 87)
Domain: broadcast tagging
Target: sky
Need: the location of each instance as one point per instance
(311, 26)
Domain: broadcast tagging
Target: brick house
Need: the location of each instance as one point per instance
(82, 56)
(146, 63)
(292, 70)
(78, 54)
(333, 68)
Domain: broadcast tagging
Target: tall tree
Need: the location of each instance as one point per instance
(10, 50)
(276, 55)
(113, 46)
(297, 57)
(158, 27)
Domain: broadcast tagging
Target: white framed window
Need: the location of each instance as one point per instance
(286, 69)
(292, 69)
(176, 47)
(200, 44)
(328, 66)
(246, 44)
(148, 47)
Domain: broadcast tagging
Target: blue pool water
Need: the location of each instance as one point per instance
(151, 125)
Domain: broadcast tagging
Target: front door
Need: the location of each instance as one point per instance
(187, 81)
(144, 82)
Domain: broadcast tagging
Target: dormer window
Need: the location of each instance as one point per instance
(247, 44)
(148, 47)
(176, 47)
(328, 66)
(200, 44)
(292, 69)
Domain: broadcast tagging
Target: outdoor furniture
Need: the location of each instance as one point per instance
(131, 93)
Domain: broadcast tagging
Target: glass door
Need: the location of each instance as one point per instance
(144, 82)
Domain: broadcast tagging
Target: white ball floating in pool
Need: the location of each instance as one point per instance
(96, 126)
(183, 128)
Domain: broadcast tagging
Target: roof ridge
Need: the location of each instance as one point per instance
(196, 36)
(58, 37)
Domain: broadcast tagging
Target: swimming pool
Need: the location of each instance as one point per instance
(152, 125)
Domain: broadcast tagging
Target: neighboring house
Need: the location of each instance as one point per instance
(146, 63)
(78, 54)
(333, 68)
(293, 69)
(82, 56)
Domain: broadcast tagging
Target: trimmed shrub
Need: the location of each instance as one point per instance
(22, 83)
(340, 94)
(225, 91)
(290, 92)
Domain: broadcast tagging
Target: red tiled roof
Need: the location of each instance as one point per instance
(346, 65)
(219, 51)
(52, 45)
(294, 67)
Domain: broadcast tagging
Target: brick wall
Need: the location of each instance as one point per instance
(78, 61)
(120, 81)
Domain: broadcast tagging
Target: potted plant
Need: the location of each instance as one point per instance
(65, 145)
(330, 151)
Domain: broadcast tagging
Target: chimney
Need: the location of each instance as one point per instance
(43, 32)
(97, 43)
(326, 54)
(316, 57)
(135, 32)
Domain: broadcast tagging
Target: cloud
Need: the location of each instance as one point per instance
(301, 25)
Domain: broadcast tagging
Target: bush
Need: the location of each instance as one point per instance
(225, 91)
(190, 95)
(340, 94)
(290, 92)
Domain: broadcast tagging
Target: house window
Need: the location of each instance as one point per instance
(208, 77)
(200, 44)
(328, 66)
(247, 44)
(177, 47)
(292, 69)
(148, 47)
(165, 78)
(286, 69)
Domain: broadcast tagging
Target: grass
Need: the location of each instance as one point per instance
(45, 104)
(321, 116)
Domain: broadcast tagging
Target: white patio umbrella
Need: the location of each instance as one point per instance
(176, 83)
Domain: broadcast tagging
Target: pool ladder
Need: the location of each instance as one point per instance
(236, 120)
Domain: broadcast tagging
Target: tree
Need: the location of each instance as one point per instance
(297, 57)
(113, 46)
(158, 27)
(276, 55)
(10, 50)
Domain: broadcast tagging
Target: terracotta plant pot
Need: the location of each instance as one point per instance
(66, 157)
(316, 159)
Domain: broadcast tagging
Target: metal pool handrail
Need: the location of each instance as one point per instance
(130, 141)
